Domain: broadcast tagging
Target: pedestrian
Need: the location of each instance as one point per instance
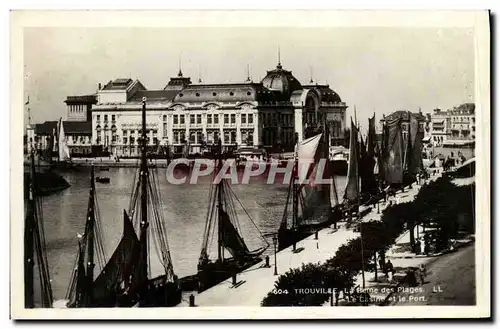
(381, 264)
(390, 270)
(422, 273)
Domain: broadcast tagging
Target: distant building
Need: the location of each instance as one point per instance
(455, 127)
(405, 121)
(80, 107)
(78, 136)
(183, 115)
(440, 126)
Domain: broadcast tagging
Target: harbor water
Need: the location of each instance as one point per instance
(184, 210)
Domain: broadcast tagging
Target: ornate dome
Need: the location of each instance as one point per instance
(281, 80)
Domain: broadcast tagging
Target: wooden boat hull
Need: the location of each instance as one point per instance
(48, 183)
(287, 237)
(157, 293)
(214, 273)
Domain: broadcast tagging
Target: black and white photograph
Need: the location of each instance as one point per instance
(190, 165)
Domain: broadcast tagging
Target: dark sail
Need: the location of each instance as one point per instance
(393, 153)
(121, 269)
(231, 239)
(352, 189)
(367, 161)
(416, 142)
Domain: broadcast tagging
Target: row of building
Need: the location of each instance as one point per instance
(266, 114)
(187, 117)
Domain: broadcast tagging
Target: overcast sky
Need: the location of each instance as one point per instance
(374, 69)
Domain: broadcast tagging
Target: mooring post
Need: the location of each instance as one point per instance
(267, 261)
(191, 300)
(234, 279)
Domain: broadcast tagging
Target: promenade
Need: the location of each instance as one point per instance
(255, 283)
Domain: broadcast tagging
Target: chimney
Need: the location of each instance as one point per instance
(99, 86)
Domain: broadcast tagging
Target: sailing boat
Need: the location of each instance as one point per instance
(63, 157)
(85, 290)
(311, 203)
(126, 280)
(222, 218)
(352, 189)
(35, 248)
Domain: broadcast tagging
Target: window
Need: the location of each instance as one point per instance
(98, 118)
(233, 136)
(244, 118)
(226, 137)
(198, 119)
(74, 139)
(197, 94)
(176, 119)
(191, 119)
(231, 94)
(176, 137)
(209, 119)
(199, 137)
(192, 137)
(216, 118)
(182, 119)
(233, 118)
(210, 137)
(132, 140)
(113, 117)
(155, 140)
(164, 118)
(214, 94)
(124, 140)
(105, 117)
(250, 118)
(226, 118)
(113, 138)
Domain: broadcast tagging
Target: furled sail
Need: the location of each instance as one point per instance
(393, 155)
(62, 143)
(352, 185)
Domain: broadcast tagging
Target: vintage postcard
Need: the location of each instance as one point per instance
(250, 164)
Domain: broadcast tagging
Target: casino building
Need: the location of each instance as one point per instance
(187, 117)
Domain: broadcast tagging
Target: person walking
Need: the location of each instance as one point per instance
(390, 271)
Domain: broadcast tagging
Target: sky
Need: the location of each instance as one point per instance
(379, 69)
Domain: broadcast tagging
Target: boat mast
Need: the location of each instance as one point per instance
(220, 249)
(357, 210)
(90, 241)
(143, 257)
(294, 192)
(28, 242)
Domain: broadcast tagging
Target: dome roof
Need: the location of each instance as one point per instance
(281, 80)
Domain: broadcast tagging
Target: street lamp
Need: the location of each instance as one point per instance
(275, 242)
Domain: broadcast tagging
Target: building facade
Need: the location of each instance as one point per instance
(189, 117)
(77, 128)
(80, 107)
